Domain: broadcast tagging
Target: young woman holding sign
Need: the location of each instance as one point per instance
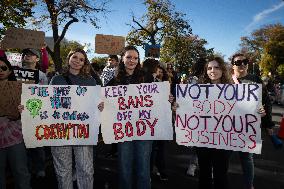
(12, 147)
(133, 154)
(210, 159)
(78, 73)
(240, 75)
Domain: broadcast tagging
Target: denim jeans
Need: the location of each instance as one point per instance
(134, 155)
(17, 158)
(248, 168)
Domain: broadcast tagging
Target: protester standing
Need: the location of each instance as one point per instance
(13, 151)
(197, 71)
(133, 154)
(36, 156)
(240, 75)
(210, 159)
(76, 73)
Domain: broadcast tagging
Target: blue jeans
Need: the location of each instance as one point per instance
(17, 158)
(248, 168)
(134, 155)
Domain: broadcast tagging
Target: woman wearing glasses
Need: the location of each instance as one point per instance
(12, 147)
(240, 75)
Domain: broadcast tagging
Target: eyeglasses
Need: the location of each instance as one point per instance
(241, 62)
(4, 68)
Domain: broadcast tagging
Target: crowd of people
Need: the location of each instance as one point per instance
(138, 161)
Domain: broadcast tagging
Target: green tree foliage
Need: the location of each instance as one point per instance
(266, 45)
(162, 24)
(14, 13)
(160, 21)
(59, 15)
(185, 51)
(100, 61)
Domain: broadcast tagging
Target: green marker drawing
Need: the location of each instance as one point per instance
(34, 105)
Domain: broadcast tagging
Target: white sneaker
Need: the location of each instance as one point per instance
(191, 170)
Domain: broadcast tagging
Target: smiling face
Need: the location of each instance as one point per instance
(130, 60)
(76, 61)
(214, 72)
(4, 71)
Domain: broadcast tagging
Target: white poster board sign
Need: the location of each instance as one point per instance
(137, 112)
(219, 116)
(14, 58)
(58, 115)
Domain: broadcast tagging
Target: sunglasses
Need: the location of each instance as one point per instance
(4, 68)
(241, 62)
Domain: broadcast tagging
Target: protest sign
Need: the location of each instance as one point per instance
(22, 38)
(222, 116)
(26, 75)
(15, 59)
(58, 115)
(10, 94)
(137, 112)
(109, 44)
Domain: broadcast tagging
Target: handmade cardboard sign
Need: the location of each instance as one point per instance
(222, 116)
(10, 93)
(109, 44)
(58, 115)
(15, 59)
(137, 112)
(22, 38)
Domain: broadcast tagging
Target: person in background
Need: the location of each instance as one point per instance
(30, 60)
(109, 70)
(13, 151)
(44, 59)
(158, 148)
(77, 73)
(240, 75)
(36, 156)
(196, 72)
(173, 77)
(107, 75)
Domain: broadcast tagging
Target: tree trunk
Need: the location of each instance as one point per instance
(56, 58)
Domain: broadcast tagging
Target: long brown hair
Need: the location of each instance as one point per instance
(138, 75)
(85, 70)
(225, 78)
